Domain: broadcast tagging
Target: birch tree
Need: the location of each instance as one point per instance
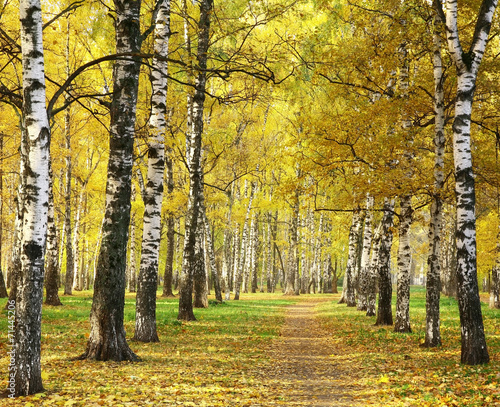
(349, 293)
(52, 255)
(474, 350)
(145, 319)
(433, 282)
(364, 271)
(244, 242)
(195, 199)
(169, 261)
(384, 310)
(402, 323)
(371, 293)
(29, 298)
(107, 339)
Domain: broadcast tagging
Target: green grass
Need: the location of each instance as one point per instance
(221, 360)
(395, 370)
(207, 362)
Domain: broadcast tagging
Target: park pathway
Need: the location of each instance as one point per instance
(303, 362)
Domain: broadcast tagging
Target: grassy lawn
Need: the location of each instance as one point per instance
(219, 360)
(394, 370)
(213, 361)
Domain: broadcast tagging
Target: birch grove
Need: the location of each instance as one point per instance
(293, 153)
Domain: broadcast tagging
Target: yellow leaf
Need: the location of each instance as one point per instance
(383, 379)
(45, 376)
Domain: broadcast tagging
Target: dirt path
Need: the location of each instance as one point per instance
(303, 363)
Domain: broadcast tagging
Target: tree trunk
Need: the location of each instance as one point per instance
(107, 339)
(195, 200)
(318, 247)
(145, 319)
(364, 270)
(52, 254)
(29, 298)
(433, 281)
(169, 261)
(211, 256)
(15, 262)
(402, 323)
(226, 255)
(348, 294)
(244, 243)
(77, 270)
(270, 256)
(247, 268)
(132, 257)
(495, 288)
(293, 257)
(200, 275)
(3, 288)
(255, 254)
(384, 311)
(236, 256)
(371, 294)
(474, 350)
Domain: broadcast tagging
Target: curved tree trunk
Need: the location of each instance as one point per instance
(107, 339)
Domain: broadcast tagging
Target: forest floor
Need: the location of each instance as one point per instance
(264, 350)
(302, 359)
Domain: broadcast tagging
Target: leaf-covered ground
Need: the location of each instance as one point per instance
(228, 357)
(394, 370)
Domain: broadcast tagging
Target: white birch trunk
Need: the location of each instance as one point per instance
(402, 323)
(255, 253)
(371, 295)
(474, 350)
(433, 281)
(211, 257)
(76, 248)
(194, 143)
(226, 259)
(236, 254)
(348, 294)
(244, 243)
(145, 320)
(52, 254)
(364, 270)
(29, 298)
(248, 266)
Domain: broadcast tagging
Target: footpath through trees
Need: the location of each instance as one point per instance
(304, 360)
